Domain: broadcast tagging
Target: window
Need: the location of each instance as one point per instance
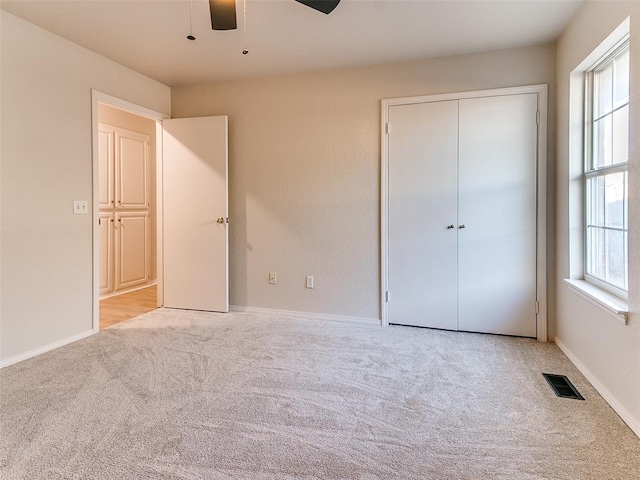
(605, 172)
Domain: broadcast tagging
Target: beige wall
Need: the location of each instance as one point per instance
(135, 123)
(46, 251)
(607, 350)
(304, 161)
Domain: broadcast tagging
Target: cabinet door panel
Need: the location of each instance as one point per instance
(105, 167)
(132, 170)
(132, 249)
(105, 232)
(497, 206)
(422, 256)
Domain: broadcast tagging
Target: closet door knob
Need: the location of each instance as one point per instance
(449, 227)
(461, 227)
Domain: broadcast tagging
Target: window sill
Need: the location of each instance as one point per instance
(600, 298)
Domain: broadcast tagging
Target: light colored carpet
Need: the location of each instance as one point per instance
(193, 395)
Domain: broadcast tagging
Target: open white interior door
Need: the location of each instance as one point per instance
(195, 220)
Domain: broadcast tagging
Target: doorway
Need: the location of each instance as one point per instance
(192, 262)
(127, 218)
(127, 266)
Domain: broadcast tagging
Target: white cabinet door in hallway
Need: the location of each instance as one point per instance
(124, 202)
(132, 170)
(132, 258)
(105, 231)
(196, 244)
(462, 214)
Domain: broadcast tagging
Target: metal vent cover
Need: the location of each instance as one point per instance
(562, 386)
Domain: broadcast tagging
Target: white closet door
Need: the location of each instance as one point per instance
(423, 142)
(105, 167)
(105, 231)
(196, 240)
(132, 248)
(132, 170)
(497, 206)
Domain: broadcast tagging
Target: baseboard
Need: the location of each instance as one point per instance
(44, 349)
(319, 316)
(622, 412)
(115, 293)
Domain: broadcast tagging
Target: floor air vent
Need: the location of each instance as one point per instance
(562, 387)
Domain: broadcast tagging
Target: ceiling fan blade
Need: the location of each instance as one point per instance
(223, 14)
(324, 6)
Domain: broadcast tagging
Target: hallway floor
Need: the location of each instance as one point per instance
(128, 305)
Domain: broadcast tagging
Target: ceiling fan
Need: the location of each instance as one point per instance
(223, 12)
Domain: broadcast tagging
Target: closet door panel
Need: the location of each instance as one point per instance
(422, 252)
(132, 249)
(132, 170)
(105, 167)
(497, 207)
(105, 232)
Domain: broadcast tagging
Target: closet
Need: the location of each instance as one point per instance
(124, 203)
(461, 213)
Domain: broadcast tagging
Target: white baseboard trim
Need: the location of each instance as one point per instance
(44, 349)
(622, 412)
(115, 293)
(319, 316)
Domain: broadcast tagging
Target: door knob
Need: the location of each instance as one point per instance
(449, 227)
(220, 220)
(462, 226)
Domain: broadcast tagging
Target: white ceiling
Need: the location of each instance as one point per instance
(283, 36)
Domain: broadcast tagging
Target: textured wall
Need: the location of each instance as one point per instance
(46, 164)
(128, 121)
(605, 347)
(305, 170)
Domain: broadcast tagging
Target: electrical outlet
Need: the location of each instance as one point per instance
(273, 278)
(310, 281)
(80, 207)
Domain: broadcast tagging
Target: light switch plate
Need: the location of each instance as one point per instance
(80, 207)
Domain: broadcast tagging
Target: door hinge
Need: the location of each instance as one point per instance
(538, 117)
(537, 308)
(386, 296)
(386, 128)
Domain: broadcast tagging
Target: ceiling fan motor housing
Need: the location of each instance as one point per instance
(223, 12)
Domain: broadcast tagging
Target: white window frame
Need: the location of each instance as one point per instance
(614, 306)
(590, 171)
